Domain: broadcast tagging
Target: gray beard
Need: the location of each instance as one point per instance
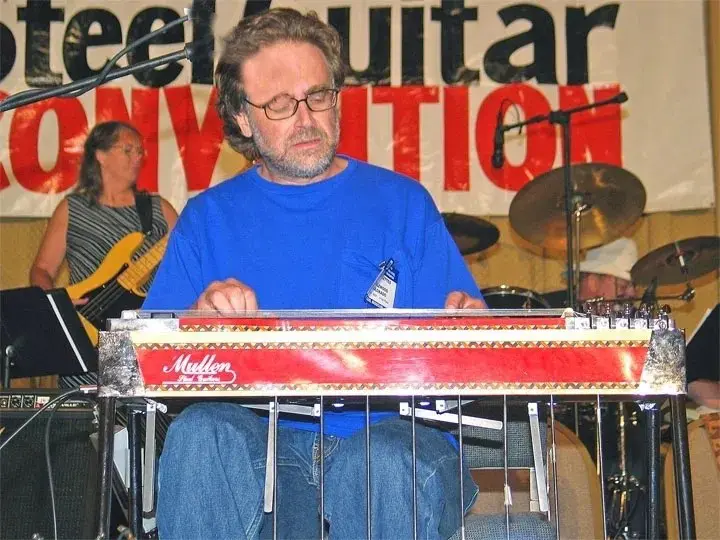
(286, 166)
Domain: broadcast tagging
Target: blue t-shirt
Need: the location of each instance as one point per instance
(318, 246)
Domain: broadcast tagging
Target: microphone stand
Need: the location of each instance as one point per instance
(574, 203)
(70, 88)
(81, 86)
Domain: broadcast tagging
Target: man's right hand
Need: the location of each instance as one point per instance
(227, 297)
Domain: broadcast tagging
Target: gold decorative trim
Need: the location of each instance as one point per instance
(399, 345)
(345, 328)
(393, 387)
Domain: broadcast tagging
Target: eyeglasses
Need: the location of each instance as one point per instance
(130, 150)
(284, 106)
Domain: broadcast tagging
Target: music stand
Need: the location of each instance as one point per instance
(41, 334)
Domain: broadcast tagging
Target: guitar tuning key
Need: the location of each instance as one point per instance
(583, 319)
(640, 319)
(663, 321)
(602, 319)
(671, 322)
(624, 316)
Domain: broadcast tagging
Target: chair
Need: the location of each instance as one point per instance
(705, 484)
(578, 485)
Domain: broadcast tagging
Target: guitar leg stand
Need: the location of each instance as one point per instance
(682, 467)
(105, 458)
(544, 503)
(135, 483)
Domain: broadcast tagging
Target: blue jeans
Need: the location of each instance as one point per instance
(212, 475)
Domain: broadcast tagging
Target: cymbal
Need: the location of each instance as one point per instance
(701, 255)
(615, 199)
(471, 234)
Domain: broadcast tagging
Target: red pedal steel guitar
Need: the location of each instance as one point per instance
(115, 285)
(387, 352)
(302, 358)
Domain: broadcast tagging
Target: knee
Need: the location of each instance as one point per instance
(391, 451)
(203, 424)
(392, 443)
(389, 442)
(199, 415)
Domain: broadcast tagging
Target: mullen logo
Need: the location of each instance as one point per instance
(207, 371)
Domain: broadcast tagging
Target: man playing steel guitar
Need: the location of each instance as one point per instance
(304, 228)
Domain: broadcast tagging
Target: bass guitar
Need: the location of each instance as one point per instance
(116, 284)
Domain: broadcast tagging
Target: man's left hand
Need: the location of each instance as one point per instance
(461, 300)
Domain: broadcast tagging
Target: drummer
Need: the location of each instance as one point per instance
(604, 274)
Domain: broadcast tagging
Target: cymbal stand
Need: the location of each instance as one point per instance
(580, 205)
(687, 295)
(689, 292)
(624, 488)
(574, 203)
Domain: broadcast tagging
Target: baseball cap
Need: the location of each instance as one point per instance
(614, 259)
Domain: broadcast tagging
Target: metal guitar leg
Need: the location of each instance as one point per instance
(269, 493)
(148, 475)
(543, 500)
(686, 513)
(652, 412)
(105, 462)
(135, 484)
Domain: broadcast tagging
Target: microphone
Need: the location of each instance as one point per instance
(648, 297)
(498, 157)
(202, 47)
(200, 11)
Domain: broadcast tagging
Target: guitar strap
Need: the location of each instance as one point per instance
(143, 204)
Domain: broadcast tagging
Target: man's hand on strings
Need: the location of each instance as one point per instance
(461, 300)
(227, 297)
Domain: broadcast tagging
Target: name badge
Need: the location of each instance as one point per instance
(382, 292)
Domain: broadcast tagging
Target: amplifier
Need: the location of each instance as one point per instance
(24, 491)
(29, 399)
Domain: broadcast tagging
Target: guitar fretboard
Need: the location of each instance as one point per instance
(139, 271)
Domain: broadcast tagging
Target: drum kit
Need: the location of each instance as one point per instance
(607, 202)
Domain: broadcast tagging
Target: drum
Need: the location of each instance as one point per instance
(511, 297)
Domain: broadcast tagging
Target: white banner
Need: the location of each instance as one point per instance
(427, 81)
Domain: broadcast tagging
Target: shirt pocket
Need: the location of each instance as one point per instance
(358, 271)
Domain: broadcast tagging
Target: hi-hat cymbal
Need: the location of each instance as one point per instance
(471, 234)
(700, 255)
(615, 199)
